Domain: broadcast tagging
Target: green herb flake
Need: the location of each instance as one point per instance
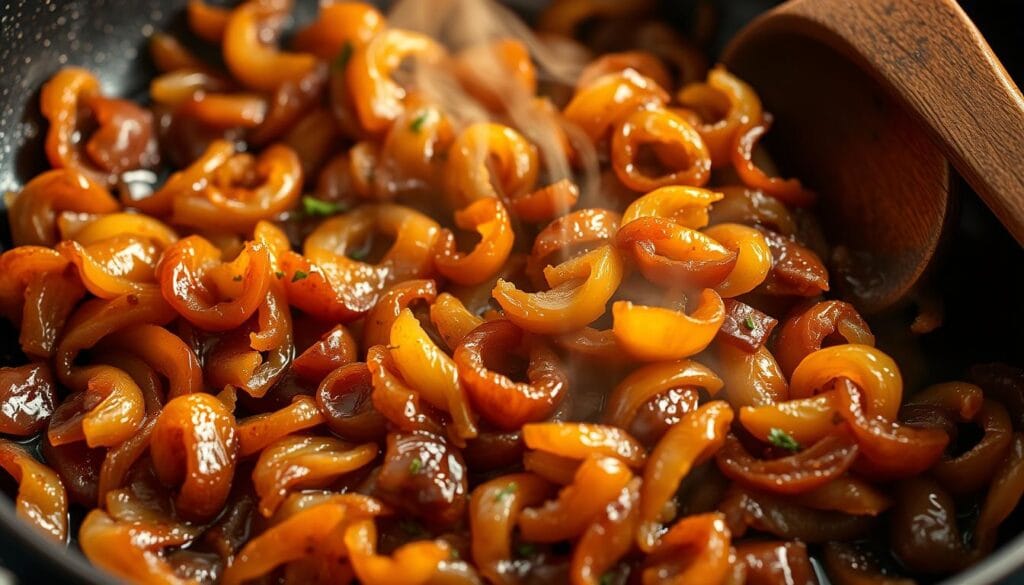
(749, 323)
(455, 554)
(783, 440)
(299, 275)
(506, 491)
(417, 124)
(341, 61)
(279, 274)
(314, 207)
(526, 550)
(237, 278)
(416, 465)
(358, 254)
(607, 579)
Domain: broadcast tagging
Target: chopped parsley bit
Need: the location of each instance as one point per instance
(279, 274)
(299, 275)
(417, 124)
(358, 254)
(505, 492)
(455, 554)
(344, 55)
(317, 207)
(749, 323)
(237, 278)
(416, 465)
(526, 550)
(782, 440)
(608, 578)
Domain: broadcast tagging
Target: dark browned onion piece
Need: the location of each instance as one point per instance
(752, 207)
(494, 450)
(488, 353)
(972, 470)
(424, 477)
(822, 323)
(1004, 494)
(659, 413)
(642, 241)
(776, 563)
(801, 472)
(27, 399)
(125, 139)
(745, 327)
(702, 490)
(889, 450)
(796, 270)
(279, 396)
(929, 416)
(233, 528)
(78, 467)
(395, 401)
(1005, 384)
(290, 101)
(923, 529)
(345, 399)
(776, 515)
(333, 350)
(850, 564)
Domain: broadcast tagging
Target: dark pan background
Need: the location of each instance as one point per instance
(982, 274)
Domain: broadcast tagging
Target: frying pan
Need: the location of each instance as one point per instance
(37, 37)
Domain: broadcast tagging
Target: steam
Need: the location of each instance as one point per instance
(462, 24)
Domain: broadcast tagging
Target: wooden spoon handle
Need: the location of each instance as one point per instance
(932, 56)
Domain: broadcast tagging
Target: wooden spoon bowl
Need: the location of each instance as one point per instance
(874, 101)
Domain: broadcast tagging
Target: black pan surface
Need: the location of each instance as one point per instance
(37, 37)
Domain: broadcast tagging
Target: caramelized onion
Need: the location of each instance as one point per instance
(486, 352)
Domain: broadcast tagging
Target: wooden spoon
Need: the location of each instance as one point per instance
(874, 99)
